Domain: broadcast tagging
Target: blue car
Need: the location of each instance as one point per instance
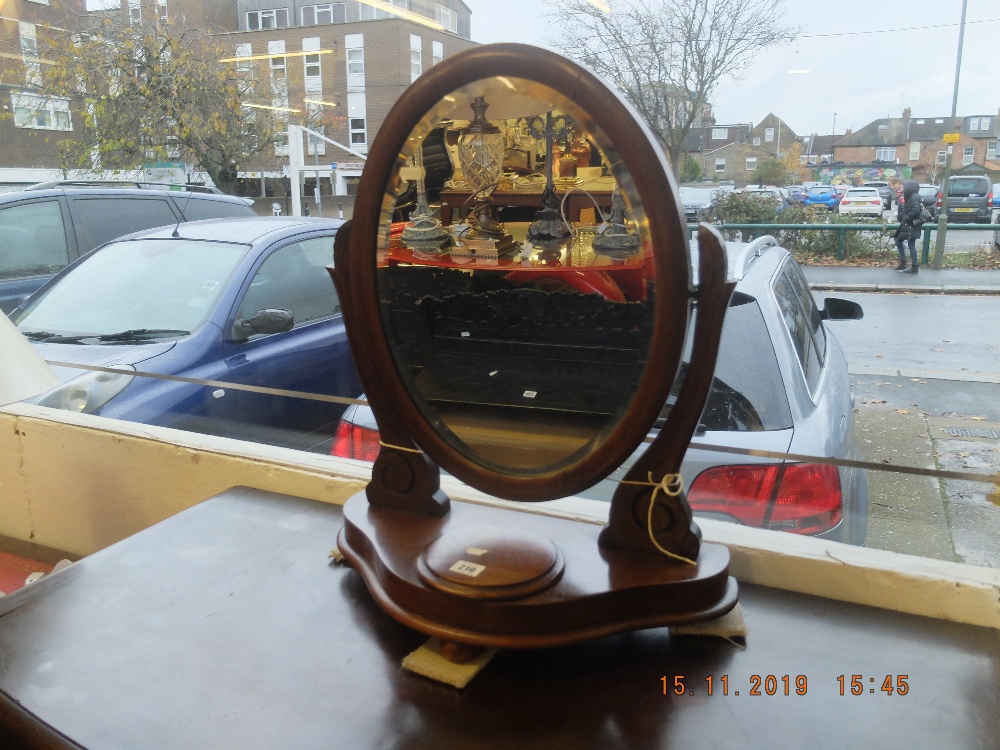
(238, 302)
(822, 195)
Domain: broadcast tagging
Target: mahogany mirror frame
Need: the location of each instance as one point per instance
(404, 424)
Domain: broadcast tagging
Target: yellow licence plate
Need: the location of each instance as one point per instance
(964, 210)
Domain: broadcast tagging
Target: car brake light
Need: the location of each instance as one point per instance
(938, 205)
(800, 498)
(354, 441)
(876, 202)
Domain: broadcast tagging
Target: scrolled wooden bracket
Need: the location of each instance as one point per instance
(403, 477)
(673, 526)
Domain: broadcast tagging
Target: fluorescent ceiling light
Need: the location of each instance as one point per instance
(320, 102)
(265, 106)
(402, 13)
(272, 56)
(602, 6)
(801, 71)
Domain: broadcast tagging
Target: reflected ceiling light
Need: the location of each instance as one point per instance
(602, 6)
(403, 13)
(320, 102)
(22, 58)
(276, 55)
(266, 106)
(799, 72)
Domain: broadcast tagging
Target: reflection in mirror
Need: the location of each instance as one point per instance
(518, 300)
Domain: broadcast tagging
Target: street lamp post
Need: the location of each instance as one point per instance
(833, 137)
(942, 221)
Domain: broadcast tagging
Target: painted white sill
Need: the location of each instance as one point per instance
(904, 583)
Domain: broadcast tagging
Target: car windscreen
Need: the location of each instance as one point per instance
(748, 393)
(152, 285)
(695, 195)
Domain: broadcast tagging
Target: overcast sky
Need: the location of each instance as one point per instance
(858, 75)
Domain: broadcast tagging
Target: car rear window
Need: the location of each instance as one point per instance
(748, 394)
(928, 192)
(821, 190)
(967, 188)
(100, 219)
(207, 208)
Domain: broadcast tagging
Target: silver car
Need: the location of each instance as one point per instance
(781, 387)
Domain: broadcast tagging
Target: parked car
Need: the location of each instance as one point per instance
(781, 385)
(822, 195)
(884, 190)
(241, 301)
(865, 201)
(929, 197)
(47, 226)
(796, 194)
(970, 199)
(699, 203)
(996, 195)
(770, 194)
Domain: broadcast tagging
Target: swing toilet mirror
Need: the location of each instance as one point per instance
(530, 372)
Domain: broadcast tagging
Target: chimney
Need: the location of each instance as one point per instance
(906, 114)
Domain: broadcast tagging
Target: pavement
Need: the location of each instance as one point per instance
(863, 279)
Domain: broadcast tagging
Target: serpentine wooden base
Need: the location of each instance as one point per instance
(489, 576)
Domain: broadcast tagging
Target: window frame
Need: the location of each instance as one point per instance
(55, 112)
(273, 13)
(968, 155)
(885, 154)
(720, 163)
(447, 17)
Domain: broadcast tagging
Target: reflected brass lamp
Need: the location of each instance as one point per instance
(548, 228)
(424, 233)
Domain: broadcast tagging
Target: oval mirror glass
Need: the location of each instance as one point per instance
(515, 276)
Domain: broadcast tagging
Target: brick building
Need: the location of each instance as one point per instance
(349, 59)
(773, 135)
(735, 162)
(918, 144)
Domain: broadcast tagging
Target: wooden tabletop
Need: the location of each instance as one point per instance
(227, 627)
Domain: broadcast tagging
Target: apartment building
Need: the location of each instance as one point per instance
(350, 60)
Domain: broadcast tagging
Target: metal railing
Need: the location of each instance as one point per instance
(843, 229)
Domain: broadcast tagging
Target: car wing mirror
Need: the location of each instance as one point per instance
(835, 308)
(271, 320)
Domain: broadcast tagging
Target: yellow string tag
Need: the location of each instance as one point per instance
(671, 485)
(399, 447)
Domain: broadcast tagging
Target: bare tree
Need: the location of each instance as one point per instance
(668, 56)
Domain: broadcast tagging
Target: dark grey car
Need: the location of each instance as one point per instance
(45, 228)
(781, 386)
(969, 199)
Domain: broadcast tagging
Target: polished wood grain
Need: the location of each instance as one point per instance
(226, 627)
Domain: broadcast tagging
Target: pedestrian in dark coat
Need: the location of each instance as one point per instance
(907, 213)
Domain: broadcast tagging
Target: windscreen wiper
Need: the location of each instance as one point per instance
(139, 334)
(55, 338)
